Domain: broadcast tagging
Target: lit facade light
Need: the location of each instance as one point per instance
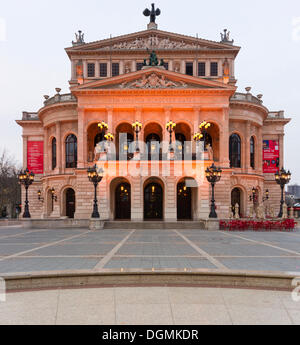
(170, 126)
(103, 126)
(137, 127)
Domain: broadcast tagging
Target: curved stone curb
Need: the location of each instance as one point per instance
(105, 278)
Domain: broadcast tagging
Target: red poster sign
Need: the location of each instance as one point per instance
(270, 156)
(35, 159)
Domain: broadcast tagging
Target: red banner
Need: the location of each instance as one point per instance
(35, 156)
(270, 156)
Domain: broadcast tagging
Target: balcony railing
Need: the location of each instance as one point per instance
(246, 97)
(58, 98)
(30, 116)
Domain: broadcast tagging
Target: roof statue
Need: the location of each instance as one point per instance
(79, 38)
(153, 60)
(225, 38)
(153, 14)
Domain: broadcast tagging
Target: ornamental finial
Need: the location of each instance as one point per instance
(225, 37)
(153, 13)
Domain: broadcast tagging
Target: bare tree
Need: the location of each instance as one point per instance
(10, 190)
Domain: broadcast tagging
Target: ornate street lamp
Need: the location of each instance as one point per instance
(282, 178)
(53, 197)
(204, 125)
(171, 128)
(26, 178)
(213, 175)
(95, 176)
(137, 126)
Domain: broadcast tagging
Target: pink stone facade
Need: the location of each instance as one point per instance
(153, 96)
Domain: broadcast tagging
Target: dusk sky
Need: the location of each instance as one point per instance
(33, 35)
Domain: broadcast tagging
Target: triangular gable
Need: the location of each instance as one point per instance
(153, 39)
(153, 78)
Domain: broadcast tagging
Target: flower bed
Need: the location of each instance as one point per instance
(258, 225)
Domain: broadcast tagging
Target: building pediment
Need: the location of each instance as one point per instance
(153, 78)
(154, 40)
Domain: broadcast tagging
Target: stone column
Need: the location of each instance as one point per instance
(281, 151)
(171, 65)
(207, 68)
(121, 66)
(137, 212)
(59, 161)
(73, 70)
(81, 137)
(46, 162)
(109, 69)
(224, 139)
(97, 69)
(182, 67)
(220, 68)
(195, 68)
(133, 66)
(25, 141)
(85, 69)
(170, 195)
(259, 152)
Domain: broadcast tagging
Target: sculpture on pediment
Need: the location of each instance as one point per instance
(225, 37)
(79, 38)
(152, 81)
(153, 13)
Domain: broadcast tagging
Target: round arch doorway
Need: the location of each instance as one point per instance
(123, 201)
(70, 203)
(184, 202)
(153, 202)
(236, 198)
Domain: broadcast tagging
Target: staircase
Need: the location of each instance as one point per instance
(159, 225)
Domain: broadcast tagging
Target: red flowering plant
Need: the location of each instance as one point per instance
(257, 225)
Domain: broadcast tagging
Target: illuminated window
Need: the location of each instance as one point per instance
(103, 69)
(214, 69)
(91, 70)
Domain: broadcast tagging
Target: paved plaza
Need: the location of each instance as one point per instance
(152, 306)
(29, 250)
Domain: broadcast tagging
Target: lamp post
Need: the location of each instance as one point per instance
(171, 128)
(282, 177)
(213, 175)
(103, 126)
(137, 126)
(204, 125)
(95, 176)
(26, 178)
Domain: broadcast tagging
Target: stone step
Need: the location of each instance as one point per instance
(154, 225)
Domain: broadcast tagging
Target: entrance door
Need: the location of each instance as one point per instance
(236, 199)
(153, 201)
(184, 201)
(123, 201)
(70, 203)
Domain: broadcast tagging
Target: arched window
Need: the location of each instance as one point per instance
(235, 151)
(71, 151)
(53, 149)
(252, 153)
